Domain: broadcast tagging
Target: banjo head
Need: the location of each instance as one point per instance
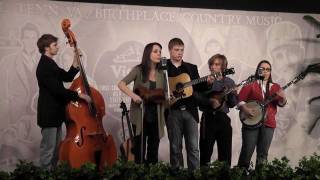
(256, 120)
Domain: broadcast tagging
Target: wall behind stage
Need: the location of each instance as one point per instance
(112, 38)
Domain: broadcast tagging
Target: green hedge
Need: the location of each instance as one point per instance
(308, 168)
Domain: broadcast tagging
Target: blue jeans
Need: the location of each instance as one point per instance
(261, 138)
(180, 123)
(51, 138)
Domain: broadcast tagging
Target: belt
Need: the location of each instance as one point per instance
(183, 107)
(214, 112)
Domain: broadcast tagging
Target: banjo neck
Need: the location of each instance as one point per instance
(244, 82)
(294, 81)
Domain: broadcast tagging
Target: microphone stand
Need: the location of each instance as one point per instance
(164, 68)
(142, 133)
(122, 123)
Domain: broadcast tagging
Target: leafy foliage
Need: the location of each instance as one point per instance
(308, 168)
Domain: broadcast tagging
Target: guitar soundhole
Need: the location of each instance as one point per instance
(179, 87)
(178, 94)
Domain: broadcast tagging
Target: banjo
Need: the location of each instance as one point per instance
(260, 107)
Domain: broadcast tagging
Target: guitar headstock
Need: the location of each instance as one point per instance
(301, 76)
(313, 68)
(229, 71)
(249, 80)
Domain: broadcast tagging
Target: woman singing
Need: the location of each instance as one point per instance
(148, 75)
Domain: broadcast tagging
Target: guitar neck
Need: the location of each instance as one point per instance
(202, 79)
(228, 91)
(195, 81)
(271, 98)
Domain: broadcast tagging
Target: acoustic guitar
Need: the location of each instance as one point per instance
(181, 86)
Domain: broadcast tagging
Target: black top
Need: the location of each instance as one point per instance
(191, 102)
(53, 96)
(151, 113)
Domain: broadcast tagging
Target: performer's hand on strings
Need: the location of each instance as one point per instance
(85, 97)
(235, 90)
(75, 63)
(281, 94)
(249, 111)
(215, 103)
(210, 80)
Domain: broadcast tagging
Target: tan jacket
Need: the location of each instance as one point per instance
(135, 110)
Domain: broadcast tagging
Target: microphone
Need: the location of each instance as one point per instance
(163, 63)
(260, 74)
(164, 68)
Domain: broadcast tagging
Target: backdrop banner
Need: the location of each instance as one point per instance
(112, 38)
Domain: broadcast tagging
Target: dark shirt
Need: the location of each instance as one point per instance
(151, 114)
(174, 71)
(191, 102)
(53, 96)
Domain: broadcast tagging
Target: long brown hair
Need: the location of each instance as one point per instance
(145, 64)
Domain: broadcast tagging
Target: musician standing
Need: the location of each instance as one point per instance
(53, 97)
(182, 117)
(260, 137)
(215, 124)
(148, 75)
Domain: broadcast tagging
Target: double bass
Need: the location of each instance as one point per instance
(86, 140)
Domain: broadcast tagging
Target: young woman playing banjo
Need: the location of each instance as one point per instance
(259, 136)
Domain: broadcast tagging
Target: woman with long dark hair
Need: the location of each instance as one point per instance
(259, 137)
(148, 75)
